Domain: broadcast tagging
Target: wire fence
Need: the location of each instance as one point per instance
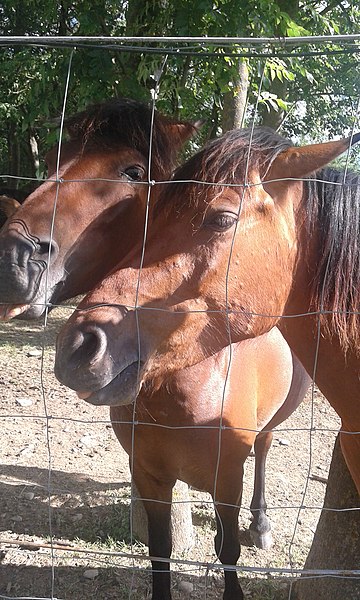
(45, 550)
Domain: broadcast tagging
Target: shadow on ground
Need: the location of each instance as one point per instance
(81, 508)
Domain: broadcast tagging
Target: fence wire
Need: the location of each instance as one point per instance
(137, 559)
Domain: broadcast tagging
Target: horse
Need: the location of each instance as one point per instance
(199, 427)
(90, 224)
(265, 384)
(272, 238)
(8, 206)
(52, 249)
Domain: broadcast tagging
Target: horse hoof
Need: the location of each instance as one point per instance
(264, 541)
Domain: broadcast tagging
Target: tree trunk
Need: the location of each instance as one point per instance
(14, 154)
(34, 149)
(181, 522)
(336, 544)
(236, 99)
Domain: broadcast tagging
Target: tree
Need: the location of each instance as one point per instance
(208, 82)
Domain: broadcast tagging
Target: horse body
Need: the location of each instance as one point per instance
(200, 428)
(265, 384)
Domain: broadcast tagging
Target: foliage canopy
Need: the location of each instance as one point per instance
(308, 91)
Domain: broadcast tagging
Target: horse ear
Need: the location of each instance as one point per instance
(297, 162)
(183, 131)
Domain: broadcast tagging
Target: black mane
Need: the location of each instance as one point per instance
(126, 122)
(334, 214)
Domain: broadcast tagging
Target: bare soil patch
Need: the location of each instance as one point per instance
(65, 481)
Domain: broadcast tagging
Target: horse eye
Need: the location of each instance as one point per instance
(222, 221)
(135, 173)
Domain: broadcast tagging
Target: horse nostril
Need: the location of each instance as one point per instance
(46, 250)
(90, 346)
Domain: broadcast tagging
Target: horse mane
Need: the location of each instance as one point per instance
(125, 122)
(333, 214)
(222, 162)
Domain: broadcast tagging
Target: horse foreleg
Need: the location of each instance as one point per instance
(260, 528)
(156, 497)
(227, 546)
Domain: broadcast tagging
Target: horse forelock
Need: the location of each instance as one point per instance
(333, 211)
(126, 122)
(227, 160)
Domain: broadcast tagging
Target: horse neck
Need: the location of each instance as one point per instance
(314, 339)
(299, 330)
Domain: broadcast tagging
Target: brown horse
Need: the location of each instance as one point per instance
(226, 261)
(103, 176)
(190, 398)
(8, 206)
(263, 389)
(199, 427)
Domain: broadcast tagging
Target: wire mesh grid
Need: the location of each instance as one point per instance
(300, 514)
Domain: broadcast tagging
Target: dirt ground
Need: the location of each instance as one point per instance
(65, 492)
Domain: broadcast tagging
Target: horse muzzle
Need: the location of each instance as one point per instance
(90, 361)
(24, 260)
(122, 390)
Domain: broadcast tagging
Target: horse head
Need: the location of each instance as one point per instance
(90, 211)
